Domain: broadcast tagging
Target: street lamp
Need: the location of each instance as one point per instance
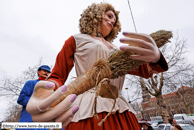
(127, 95)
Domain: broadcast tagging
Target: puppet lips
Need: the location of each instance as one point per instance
(110, 26)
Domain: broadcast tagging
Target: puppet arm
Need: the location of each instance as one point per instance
(44, 95)
(148, 51)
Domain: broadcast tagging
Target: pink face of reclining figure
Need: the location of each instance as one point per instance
(108, 22)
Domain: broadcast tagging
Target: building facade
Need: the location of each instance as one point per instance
(173, 102)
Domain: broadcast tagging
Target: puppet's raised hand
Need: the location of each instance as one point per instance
(142, 44)
(43, 97)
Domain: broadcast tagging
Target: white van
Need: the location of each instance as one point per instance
(180, 117)
(191, 118)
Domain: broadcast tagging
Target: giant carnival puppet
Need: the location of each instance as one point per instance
(100, 67)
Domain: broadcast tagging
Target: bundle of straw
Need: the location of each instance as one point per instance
(117, 64)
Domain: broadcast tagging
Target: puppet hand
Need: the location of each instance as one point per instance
(43, 97)
(143, 45)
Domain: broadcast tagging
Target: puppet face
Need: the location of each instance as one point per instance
(43, 73)
(108, 22)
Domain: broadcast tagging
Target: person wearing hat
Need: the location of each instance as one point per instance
(26, 92)
(43, 72)
(145, 125)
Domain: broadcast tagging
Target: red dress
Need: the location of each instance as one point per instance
(118, 121)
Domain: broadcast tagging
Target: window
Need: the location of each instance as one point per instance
(157, 114)
(172, 102)
(151, 104)
(145, 116)
(151, 115)
(161, 127)
(167, 128)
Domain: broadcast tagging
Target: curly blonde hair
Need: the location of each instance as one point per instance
(91, 18)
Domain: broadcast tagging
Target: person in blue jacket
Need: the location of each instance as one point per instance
(27, 91)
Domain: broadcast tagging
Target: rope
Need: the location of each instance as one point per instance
(132, 16)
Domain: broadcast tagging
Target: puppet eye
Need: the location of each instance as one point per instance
(109, 16)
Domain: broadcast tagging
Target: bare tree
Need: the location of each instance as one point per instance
(137, 107)
(155, 89)
(184, 92)
(187, 101)
(175, 55)
(10, 89)
(13, 112)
